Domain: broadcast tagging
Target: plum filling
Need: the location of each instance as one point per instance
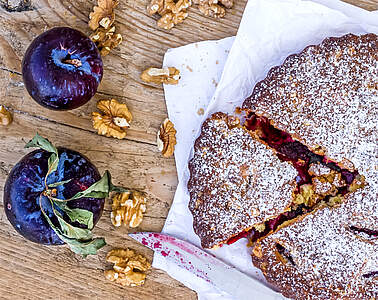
(241, 235)
(270, 225)
(284, 253)
(370, 232)
(301, 157)
(293, 151)
(371, 274)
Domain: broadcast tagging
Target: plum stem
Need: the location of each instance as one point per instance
(49, 193)
(75, 62)
(57, 199)
(40, 204)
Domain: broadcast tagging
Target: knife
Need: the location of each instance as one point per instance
(206, 266)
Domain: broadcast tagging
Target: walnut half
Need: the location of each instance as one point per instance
(171, 12)
(128, 209)
(106, 39)
(168, 75)
(115, 119)
(5, 116)
(101, 22)
(103, 14)
(213, 8)
(166, 138)
(129, 268)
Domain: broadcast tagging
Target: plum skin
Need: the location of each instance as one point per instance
(50, 80)
(25, 184)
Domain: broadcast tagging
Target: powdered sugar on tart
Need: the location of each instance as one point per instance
(327, 96)
(326, 255)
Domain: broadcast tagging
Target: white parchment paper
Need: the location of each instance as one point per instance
(219, 75)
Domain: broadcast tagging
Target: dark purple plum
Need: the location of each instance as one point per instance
(62, 69)
(25, 185)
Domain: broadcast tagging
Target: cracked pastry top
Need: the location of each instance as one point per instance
(327, 98)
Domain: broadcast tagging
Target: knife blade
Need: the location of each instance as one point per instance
(206, 266)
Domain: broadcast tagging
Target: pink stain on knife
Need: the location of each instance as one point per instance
(205, 266)
(152, 243)
(173, 241)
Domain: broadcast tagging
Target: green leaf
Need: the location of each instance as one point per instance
(114, 188)
(76, 214)
(52, 164)
(71, 231)
(85, 248)
(99, 189)
(82, 216)
(52, 185)
(117, 189)
(41, 142)
(94, 194)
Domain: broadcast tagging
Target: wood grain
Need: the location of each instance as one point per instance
(30, 271)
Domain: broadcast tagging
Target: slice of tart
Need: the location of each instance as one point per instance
(236, 182)
(248, 180)
(331, 253)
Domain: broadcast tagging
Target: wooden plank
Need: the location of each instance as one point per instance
(366, 4)
(30, 271)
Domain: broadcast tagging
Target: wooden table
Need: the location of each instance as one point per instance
(31, 271)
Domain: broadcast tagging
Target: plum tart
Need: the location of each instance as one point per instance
(298, 174)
